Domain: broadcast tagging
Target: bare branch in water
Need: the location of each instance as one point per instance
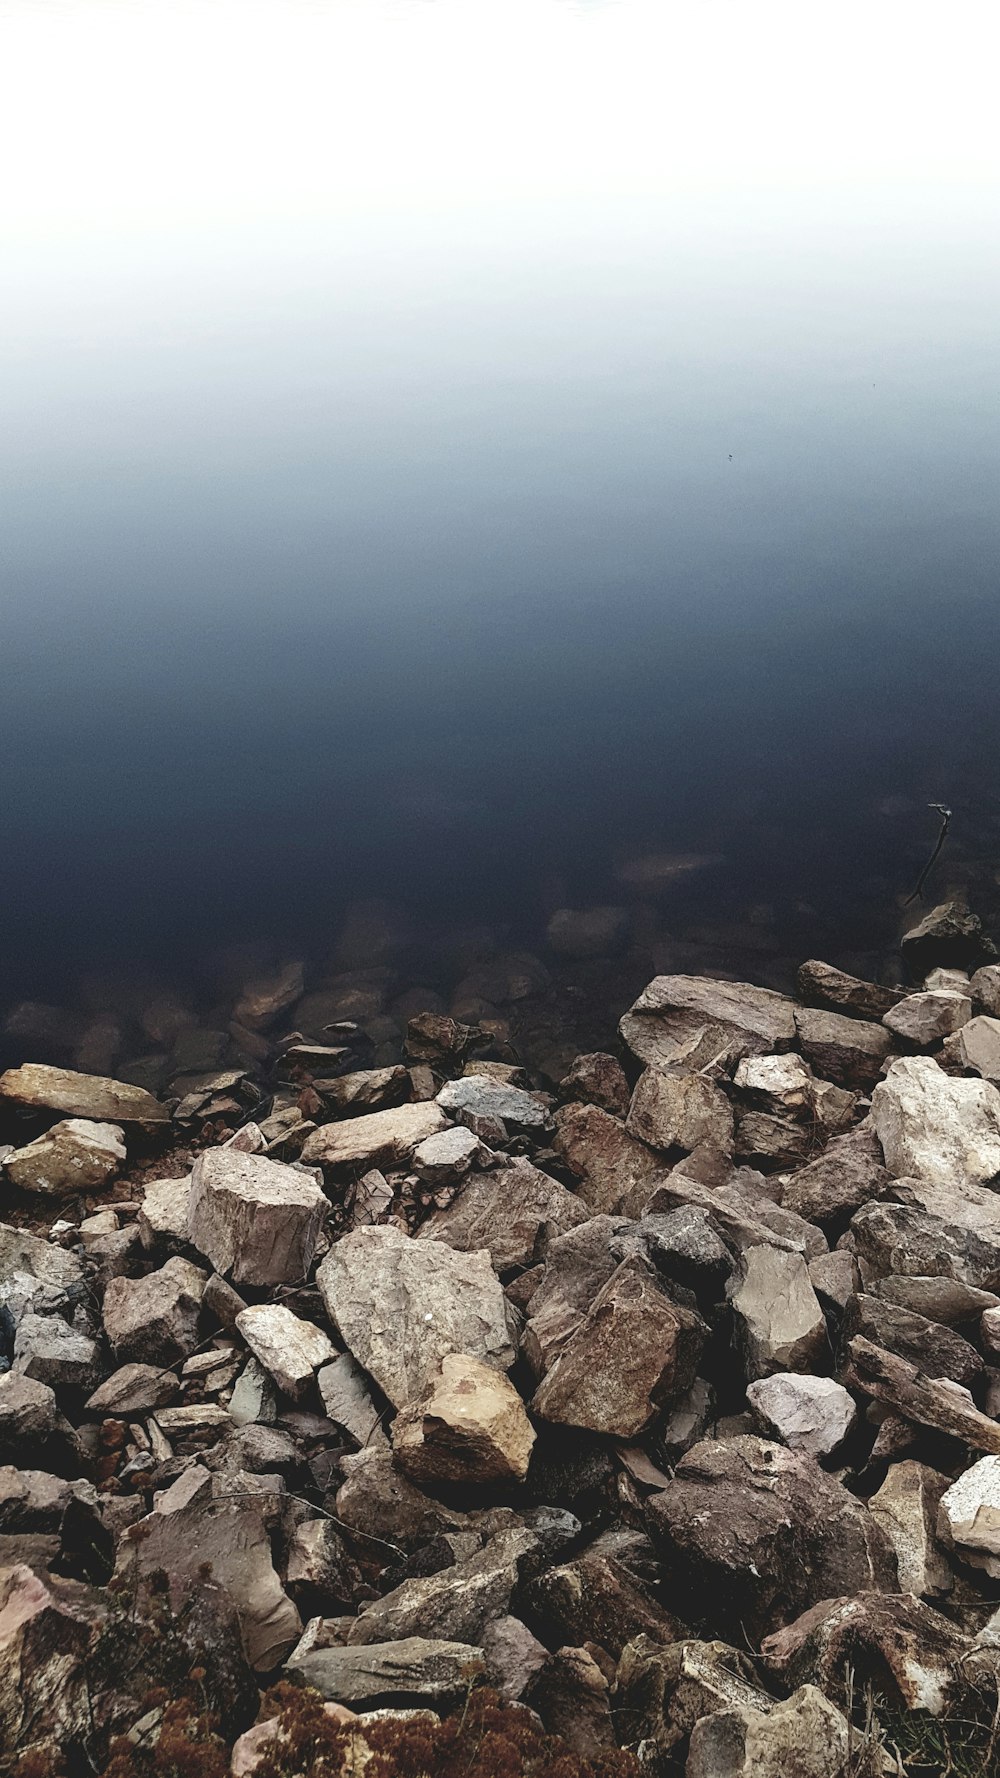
(945, 815)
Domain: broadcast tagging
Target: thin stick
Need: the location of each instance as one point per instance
(932, 860)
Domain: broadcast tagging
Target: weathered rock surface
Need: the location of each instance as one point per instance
(468, 1427)
(678, 1019)
(45, 1639)
(927, 1018)
(935, 1128)
(969, 1515)
(383, 1139)
(934, 1231)
(849, 1052)
(928, 1401)
(906, 1506)
(290, 1349)
(89, 1096)
(948, 936)
(614, 1171)
(347, 1399)
(598, 1079)
(154, 1320)
(47, 1348)
(804, 1734)
(257, 1220)
(74, 1156)
(976, 1048)
(910, 1650)
(812, 1414)
(134, 1389)
(505, 1212)
(593, 1598)
(477, 1095)
(985, 989)
(937, 1351)
(673, 1109)
(456, 1603)
(400, 1306)
(819, 984)
(778, 1323)
(163, 1219)
(267, 996)
(390, 1675)
(849, 1173)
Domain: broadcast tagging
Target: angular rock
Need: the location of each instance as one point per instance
(948, 936)
(31, 1268)
(742, 1210)
(804, 1734)
(154, 1320)
(906, 1506)
(848, 1173)
(755, 1532)
(390, 1675)
(616, 1173)
(977, 1047)
(819, 984)
(679, 1018)
(773, 1143)
(290, 1349)
(265, 998)
(74, 1156)
(257, 1220)
(513, 1656)
(476, 1095)
(834, 1277)
(345, 1395)
(49, 1350)
(926, 1018)
(778, 1323)
(936, 1231)
(88, 1096)
(969, 1515)
(384, 1139)
(634, 1353)
(591, 1599)
(571, 1695)
(935, 1128)
(598, 1079)
(663, 1692)
(468, 1427)
(687, 1250)
(377, 1504)
(45, 1641)
(937, 1351)
(812, 1414)
(505, 1211)
(577, 1266)
(672, 1109)
(321, 1575)
(64, 1517)
(133, 1389)
(456, 1603)
(778, 1084)
(369, 1089)
(985, 987)
(254, 1401)
(946, 1300)
(33, 1432)
(928, 1401)
(401, 1306)
(849, 1052)
(906, 1648)
(163, 1218)
(446, 1157)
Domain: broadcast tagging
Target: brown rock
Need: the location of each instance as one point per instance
(937, 1351)
(820, 984)
(594, 1599)
(257, 1220)
(929, 1401)
(673, 1109)
(692, 1020)
(898, 1643)
(154, 1320)
(468, 1427)
(849, 1052)
(81, 1095)
(506, 1211)
(384, 1139)
(846, 1175)
(616, 1173)
(598, 1079)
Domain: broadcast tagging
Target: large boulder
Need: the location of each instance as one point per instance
(74, 1156)
(934, 1127)
(400, 1306)
(45, 1641)
(383, 1139)
(257, 1220)
(949, 1232)
(755, 1533)
(820, 984)
(692, 1020)
(88, 1096)
(468, 1427)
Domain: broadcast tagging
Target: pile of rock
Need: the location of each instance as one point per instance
(664, 1396)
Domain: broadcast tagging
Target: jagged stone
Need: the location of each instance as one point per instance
(45, 1640)
(476, 1095)
(691, 1021)
(687, 1250)
(446, 1157)
(31, 1269)
(410, 1672)
(506, 1211)
(257, 1220)
(778, 1323)
(49, 1350)
(849, 1052)
(597, 1079)
(154, 1320)
(367, 1089)
(819, 984)
(513, 1656)
(850, 1172)
(571, 1694)
(64, 1516)
(456, 1603)
(614, 1171)
(663, 1692)
(345, 1395)
(673, 1109)
(33, 1432)
(834, 1277)
(383, 1139)
(898, 1642)
(977, 1047)
(742, 1209)
(290, 1349)
(90, 1096)
(906, 1506)
(591, 1599)
(947, 1300)
(577, 1266)
(134, 1389)
(400, 1306)
(928, 1017)
(376, 1502)
(937, 1351)
(321, 1575)
(950, 936)
(928, 1401)
(969, 1515)
(74, 1156)
(936, 1128)
(163, 1218)
(468, 1427)
(812, 1414)
(985, 989)
(804, 1734)
(254, 1401)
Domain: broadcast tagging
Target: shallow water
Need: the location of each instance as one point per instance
(450, 450)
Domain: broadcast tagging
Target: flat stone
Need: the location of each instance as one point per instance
(384, 1139)
(969, 1515)
(479, 1096)
(415, 1670)
(74, 1156)
(505, 1211)
(371, 1089)
(926, 1018)
(133, 1389)
(400, 1306)
(89, 1096)
(847, 1051)
(154, 1320)
(935, 1128)
(812, 1414)
(348, 1402)
(615, 1172)
(679, 1018)
(927, 1401)
(672, 1109)
(937, 1351)
(779, 1325)
(454, 1604)
(257, 1220)
(290, 1349)
(447, 1156)
(949, 1231)
(48, 1349)
(468, 1427)
(947, 1300)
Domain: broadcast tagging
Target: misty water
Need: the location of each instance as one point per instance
(450, 452)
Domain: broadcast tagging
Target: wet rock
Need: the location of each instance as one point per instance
(456, 1603)
(819, 984)
(672, 1109)
(267, 996)
(384, 1139)
(633, 1353)
(88, 1096)
(904, 1646)
(598, 1079)
(290, 1349)
(593, 1598)
(778, 1323)
(969, 1515)
(754, 1532)
(848, 1173)
(347, 1400)
(133, 1389)
(948, 936)
(928, 1401)
(691, 1021)
(49, 1350)
(198, 1520)
(163, 1219)
(256, 1220)
(513, 1656)
(906, 1506)
(924, 1019)
(587, 932)
(155, 1320)
(447, 1157)
(477, 1095)
(505, 1212)
(33, 1432)
(936, 1350)
(935, 1128)
(509, 976)
(413, 1671)
(468, 1427)
(812, 1414)
(45, 1641)
(615, 1172)
(400, 1306)
(804, 1734)
(74, 1156)
(847, 1051)
(985, 989)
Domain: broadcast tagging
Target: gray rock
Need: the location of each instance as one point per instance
(28, 1265)
(820, 984)
(812, 1414)
(348, 1402)
(133, 1389)
(937, 1350)
(401, 1305)
(410, 1672)
(81, 1095)
(33, 1432)
(49, 1350)
(254, 1400)
(154, 1320)
(985, 986)
(691, 1020)
(443, 1158)
(926, 1018)
(673, 1109)
(290, 1349)
(587, 932)
(479, 1096)
(456, 1603)
(849, 1052)
(514, 1657)
(977, 1047)
(255, 1219)
(74, 1156)
(384, 1139)
(969, 1515)
(778, 1323)
(935, 1231)
(950, 936)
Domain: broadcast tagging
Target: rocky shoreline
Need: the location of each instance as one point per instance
(648, 1400)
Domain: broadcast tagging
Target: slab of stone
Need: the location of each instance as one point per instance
(812, 1414)
(915, 1655)
(928, 1017)
(615, 1172)
(674, 1109)
(90, 1096)
(384, 1139)
(290, 1349)
(820, 984)
(977, 1047)
(411, 1672)
(454, 1604)
(400, 1306)
(778, 1323)
(257, 1220)
(133, 1389)
(347, 1399)
(928, 1401)
(254, 1400)
(155, 1319)
(936, 1128)
(946, 1300)
(74, 1156)
(505, 1211)
(446, 1157)
(478, 1096)
(985, 988)
(468, 1428)
(937, 1351)
(679, 1018)
(849, 1052)
(366, 1089)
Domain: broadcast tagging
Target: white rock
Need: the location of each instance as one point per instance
(926, 1018)
(906, 1506)
(977, 1046)
(163, 1219)
(970, 1515)
(956, 980)
(257, 1220)
(290, 1349)
(74, 1156)
(782, 1083)
(935, 1128)
(812, 1414)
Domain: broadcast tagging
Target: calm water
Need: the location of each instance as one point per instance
(450, 448)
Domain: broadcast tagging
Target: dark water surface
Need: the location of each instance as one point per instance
(447, 452)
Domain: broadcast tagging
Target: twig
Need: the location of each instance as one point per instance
(932, 860)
